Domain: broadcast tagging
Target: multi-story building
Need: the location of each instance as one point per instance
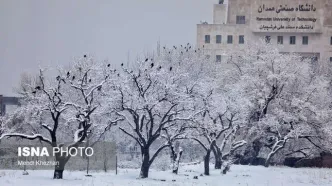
(301, 26)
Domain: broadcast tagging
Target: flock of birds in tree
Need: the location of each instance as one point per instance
(186, 48)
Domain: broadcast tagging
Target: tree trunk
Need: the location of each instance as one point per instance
(175, 170)
(145, 163)
(173, 159)
(87, 157)
(175, 156)
(218, 163)
(251, 152)
(60, 167)
(88, 165)
(207, 163)
(176, 162)
(268, 159)
(226, 169)
(267, 162)
(106, 160)
(217, 158)
(275, 149)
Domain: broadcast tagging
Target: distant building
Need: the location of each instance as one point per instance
(7, 101)
(301, 26)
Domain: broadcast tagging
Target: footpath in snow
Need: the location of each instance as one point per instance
(239, 175)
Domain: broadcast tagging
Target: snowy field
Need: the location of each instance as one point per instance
(239, 175)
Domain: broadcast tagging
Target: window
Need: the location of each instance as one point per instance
(331, 41)
(280, 40)
(229, 39)
(305, 40)
(218, 58)
(292, 40)
(330, 59)
(241, 39)
(218, 39)
(240, 19)
(267, 39)
(207, 38)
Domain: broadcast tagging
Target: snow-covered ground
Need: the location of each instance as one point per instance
(239, 175)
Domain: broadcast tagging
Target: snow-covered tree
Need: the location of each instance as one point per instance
(155, 95)
(217, 128)
(28, 82)
(173, 136)
(286, 94)
(62, 109)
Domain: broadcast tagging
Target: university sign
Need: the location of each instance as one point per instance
(286, 16)
(301, 8)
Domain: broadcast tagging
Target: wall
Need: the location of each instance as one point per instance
(2, 106)
(4, 101)
(238, 7)
(220, 14)
(319, 36)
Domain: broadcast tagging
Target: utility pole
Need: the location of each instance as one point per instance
(116, 164)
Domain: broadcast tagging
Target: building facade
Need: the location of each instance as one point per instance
(5, 102)
(301, 26)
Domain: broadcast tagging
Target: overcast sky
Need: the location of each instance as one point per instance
(54, 32)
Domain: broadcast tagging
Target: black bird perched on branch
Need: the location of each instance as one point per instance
(152, 65)
(170, 68)
(169, 52)
(34, 92)
(190, 47)
(37, 88)
(159, 67)
(84, 56)
(164, 48)
(174, 47)
(90, 80)
(68, 74)
(108, 65)
(122, 64)
(58, 78)
(99, 88)
(146, 59)
(73, 78)
(195, 51)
